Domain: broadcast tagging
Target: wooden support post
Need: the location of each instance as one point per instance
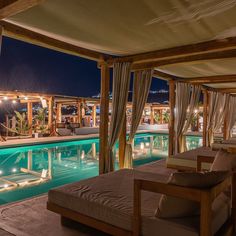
(122, 144)
(94, 115)
(79, 113)
(50, 114)
(58, 115)
(172, 117)
(30, 160)
(206, 214)
(30, 116)
(205, 106)
(104, 116)
(151, 115)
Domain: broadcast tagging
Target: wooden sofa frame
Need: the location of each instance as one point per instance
(204, 196)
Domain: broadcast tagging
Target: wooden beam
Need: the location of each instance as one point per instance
(186, 59)
(172, 117)
(79, 113)
(227, 90)
(94, 115)
(205, 109)
(58, 115)
(50, 114)
(165, 76)
(151, 115)
(20, 33)
(211, 79)
(30, 116)
(122, 144)
(12, 7)
(104, 117)
(175, 52)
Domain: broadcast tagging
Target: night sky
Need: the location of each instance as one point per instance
(35, 69)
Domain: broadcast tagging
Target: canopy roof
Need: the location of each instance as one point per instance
(195, 38)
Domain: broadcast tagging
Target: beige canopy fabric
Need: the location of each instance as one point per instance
(216, 112)
(183, 91)
(1, 32)
(120, 90)
(121, 27)
(141, 87)
(187, 98)
(231, 114)
(193, 104)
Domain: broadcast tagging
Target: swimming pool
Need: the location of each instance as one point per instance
(32, 170)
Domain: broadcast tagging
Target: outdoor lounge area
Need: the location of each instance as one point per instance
(128, 181)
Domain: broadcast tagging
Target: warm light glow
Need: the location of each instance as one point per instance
(5, 98)
(14, 170)
(26, 98)
(141, 146)
(196, 111)
(14, 101)
(82, 155)
(1, 172)
(5, 185)
(147, 144)
(0, 101)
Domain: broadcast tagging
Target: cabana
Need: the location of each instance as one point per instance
(187, 44)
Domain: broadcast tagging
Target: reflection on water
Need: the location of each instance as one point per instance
(33, 170)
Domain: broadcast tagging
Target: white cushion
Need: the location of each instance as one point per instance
(224, 161)
(172, 207)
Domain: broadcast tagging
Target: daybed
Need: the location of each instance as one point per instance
(115, 203)
(188, 160)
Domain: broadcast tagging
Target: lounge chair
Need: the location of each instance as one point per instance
(114, 203)
(64, 131)
(188, 160)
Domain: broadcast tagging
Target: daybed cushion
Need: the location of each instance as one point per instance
(109, 198)
(224, 161)
(189, 158)
(170, 207)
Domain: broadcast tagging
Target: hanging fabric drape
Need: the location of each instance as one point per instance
(141, 87)
(183, 91)
(193, 105)
(231, 114)
(120, 89)
(187, 98)
(217, 109)
(1, 33)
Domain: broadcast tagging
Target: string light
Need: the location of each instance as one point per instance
(5, 98)
(14, 101)
(14, 170)
(26, 98)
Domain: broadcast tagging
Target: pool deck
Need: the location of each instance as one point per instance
(54, 139)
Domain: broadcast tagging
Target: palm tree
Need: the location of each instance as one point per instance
(22, 126)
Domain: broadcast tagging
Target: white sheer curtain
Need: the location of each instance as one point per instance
(216, 113)
(183, 91)
(120, 89)
(231, 113)
(141, 87)
(193, 104)
(1, 32)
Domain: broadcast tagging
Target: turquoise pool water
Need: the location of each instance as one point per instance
(33, 170)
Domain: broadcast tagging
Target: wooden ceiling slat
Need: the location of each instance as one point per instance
(12, 7)
(20, 33)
